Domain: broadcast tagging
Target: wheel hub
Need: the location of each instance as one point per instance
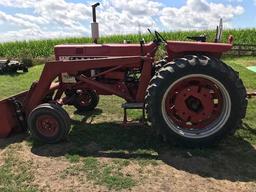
(194, 102)
(47, 125)
(194, 105)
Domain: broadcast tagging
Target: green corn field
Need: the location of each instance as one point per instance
(44, 48)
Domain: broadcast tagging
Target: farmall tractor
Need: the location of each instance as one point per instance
(190, 97)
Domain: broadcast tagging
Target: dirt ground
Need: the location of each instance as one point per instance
(101, 155)
(169, 173)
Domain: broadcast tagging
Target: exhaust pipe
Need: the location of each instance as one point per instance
(94, 24)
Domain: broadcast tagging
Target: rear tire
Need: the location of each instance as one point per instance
(49, 123)
(196, 101)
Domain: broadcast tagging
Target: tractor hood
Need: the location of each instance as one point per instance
(101, 50)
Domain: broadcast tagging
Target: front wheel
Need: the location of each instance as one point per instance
(49, 123)
(196, 100)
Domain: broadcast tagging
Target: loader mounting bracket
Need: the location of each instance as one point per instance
(130, 106)
(20, 115)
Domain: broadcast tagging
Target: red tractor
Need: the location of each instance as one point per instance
(190, 97)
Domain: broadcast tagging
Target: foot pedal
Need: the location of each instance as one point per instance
(127, 106)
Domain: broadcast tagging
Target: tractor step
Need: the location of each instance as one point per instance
(133, 106)
(127, 106)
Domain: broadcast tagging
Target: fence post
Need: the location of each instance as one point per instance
(244, 49)
(239, 51)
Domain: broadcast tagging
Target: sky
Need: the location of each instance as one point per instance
(46, 19)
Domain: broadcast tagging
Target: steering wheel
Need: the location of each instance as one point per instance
(160, 37)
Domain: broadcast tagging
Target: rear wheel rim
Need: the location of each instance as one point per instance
(196, 106)
(47, 125)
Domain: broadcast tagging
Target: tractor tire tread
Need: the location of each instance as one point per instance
(187, 62)
(59, 113)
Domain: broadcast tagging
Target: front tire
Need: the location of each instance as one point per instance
(49, 123)
(196, 100)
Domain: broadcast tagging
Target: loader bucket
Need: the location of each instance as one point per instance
(9, 122)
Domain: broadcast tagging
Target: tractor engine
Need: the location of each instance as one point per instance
(123, 78)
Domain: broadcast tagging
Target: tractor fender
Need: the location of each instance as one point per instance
(178, 49)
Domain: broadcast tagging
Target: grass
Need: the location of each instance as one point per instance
(73, 158)
(15, 83)
(44, 48)
(97, 136)
(106, 174)
(240, 64)
(15, 175)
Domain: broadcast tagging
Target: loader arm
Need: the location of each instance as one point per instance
(54, 69)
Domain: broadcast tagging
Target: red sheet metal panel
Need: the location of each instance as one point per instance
(108, 50)
(187, 46)
(178, 49)
(8, 118)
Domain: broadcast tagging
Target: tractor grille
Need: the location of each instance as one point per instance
(74, 58)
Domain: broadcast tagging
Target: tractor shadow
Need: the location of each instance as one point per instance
(14, 138)
(233, 159)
